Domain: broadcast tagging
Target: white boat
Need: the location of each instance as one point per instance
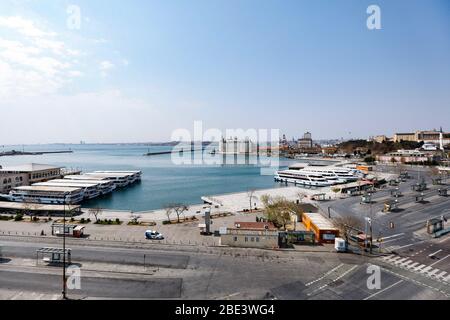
(90, 191)
(134, 175)
(335, 175)
(47, 195)
(119, 179)
(104, 186)
(301, 178)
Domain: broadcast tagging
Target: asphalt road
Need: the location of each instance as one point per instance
(410, 218)
(102, 254)
(94, 287)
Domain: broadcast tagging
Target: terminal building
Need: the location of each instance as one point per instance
(27, 174)
(438, 138)
(236, 146)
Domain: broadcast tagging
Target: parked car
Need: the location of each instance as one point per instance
(153, 235)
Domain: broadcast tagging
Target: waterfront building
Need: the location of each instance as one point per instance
(305, 142)
(399, 137)
(27, 174)
(407, 156)
(251, 235)
(236, 146)
(436, 137)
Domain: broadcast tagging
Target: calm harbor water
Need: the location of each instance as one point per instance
(163, 181)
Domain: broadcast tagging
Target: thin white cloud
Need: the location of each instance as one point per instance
(25, 27)
(105, 67)
(33, 61)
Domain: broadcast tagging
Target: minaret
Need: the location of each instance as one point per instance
(441, 140)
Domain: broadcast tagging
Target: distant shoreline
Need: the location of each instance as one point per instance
(24, 153)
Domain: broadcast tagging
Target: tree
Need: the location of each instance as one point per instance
(179, 209)
(135, 218)
(278, 210)
(301, 195)
(96, 212)
(346, 225)
(251, 195)
(336, 191)
(168, 212)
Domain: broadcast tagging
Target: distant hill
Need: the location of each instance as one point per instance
(372, 147)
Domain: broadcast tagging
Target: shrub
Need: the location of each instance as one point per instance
(88, 220)
(18, 217)
(117, 220)
(166, 222)
(72, 219)
(82, 220)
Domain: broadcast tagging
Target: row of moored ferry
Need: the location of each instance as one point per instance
(74, 189)
(317, 176)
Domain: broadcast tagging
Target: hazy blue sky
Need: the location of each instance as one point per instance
(137, 70)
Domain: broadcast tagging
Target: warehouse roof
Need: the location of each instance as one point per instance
(320, 221)
(30, 167)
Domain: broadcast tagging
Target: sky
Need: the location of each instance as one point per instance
(135, 71)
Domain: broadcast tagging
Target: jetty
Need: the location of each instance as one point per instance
(32, 153)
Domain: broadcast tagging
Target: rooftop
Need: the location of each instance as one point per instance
(255, 225)
(320, 221)
(47, 188)
(30, 167)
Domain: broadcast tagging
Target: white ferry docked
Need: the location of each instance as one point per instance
(90, 191)
(319, 176)
(46, 195)
(104, 186)
(298, 177)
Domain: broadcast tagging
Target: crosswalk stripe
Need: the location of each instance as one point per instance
(413, 265)
(432, 273)
(406, 263)
(419, 267)
(394, 258)
(442, 274)
(447, 278)
(426, 269)
(400, 261)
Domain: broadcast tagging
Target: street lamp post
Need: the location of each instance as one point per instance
(64, 288)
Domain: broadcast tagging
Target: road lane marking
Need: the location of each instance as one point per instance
(434, 253)
(393, 236)
(440, 260)
(387, 288)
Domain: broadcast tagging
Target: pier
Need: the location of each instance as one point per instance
(172, 151)
(37, 153)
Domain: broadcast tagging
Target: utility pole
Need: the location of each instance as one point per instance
(329, 212)
(64, 291)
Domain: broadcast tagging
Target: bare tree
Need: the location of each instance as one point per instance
(135, 218)
(346, 225)
(251, 195)
(179, 209)
(168, 212)
(301, 195)
(96, 212)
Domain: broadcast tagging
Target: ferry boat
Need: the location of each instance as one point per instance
(334, 174)
(104, 186)
(46, 195)
(90, 191)
(119, 179)
(301, 178)
(134, 175)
